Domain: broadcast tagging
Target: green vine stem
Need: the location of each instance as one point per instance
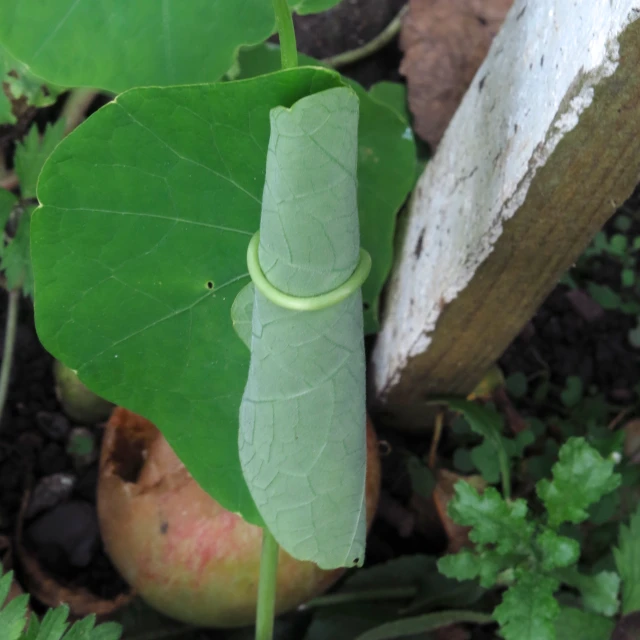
(267, 587)
(371, 47)
(75, 107)
(505, 472)
(9, 344)
(287, 34)
(265, 613)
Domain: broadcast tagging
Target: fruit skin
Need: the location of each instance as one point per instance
(184, 554)
(78, 402)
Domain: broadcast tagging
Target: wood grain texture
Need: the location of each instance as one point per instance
(588, 173)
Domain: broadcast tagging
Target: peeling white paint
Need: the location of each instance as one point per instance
(539, 76)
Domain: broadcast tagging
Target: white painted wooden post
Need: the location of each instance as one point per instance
(558, 72)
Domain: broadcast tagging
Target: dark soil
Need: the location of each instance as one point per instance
(572, 335)
(348, 26)
(33, 437)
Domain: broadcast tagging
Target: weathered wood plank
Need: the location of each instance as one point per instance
(544, 147)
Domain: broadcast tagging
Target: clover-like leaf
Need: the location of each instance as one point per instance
(580, 478)
(627, 556)
(493, 520)
(557, 551)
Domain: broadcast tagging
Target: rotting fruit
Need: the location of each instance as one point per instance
(177, 547)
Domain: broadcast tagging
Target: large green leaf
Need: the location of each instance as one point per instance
(303, 414)
(139, 250)
(17, 82)
(386, 173)
(120, 44)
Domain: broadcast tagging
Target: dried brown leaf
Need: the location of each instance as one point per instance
(443, 494)
(445, 42)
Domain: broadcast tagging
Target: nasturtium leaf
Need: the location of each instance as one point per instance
(139, 250)
(529, 610)
(31, 153)
(580, 478)
(119, 44)
(394, 96)
(303, 414)
(386, 172)
(627, 555)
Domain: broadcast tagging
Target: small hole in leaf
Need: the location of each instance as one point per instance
(210, 284)
(384, 448)
(366, 306)
(356, 560)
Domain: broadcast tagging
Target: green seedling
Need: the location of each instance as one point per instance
(529, 554)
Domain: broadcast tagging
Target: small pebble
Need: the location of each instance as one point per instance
(53, 425)
(81, 447)
(68, 533)
(50, 491)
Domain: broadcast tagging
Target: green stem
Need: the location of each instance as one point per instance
(267, 587)
(9, 344)
(76, 106)
(395, 593)
(371, 47)
(505, 472)
(286, 33)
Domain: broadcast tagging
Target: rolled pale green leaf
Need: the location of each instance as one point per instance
(386, 172)
(139, 250)
(242, 313)
(302, 418)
